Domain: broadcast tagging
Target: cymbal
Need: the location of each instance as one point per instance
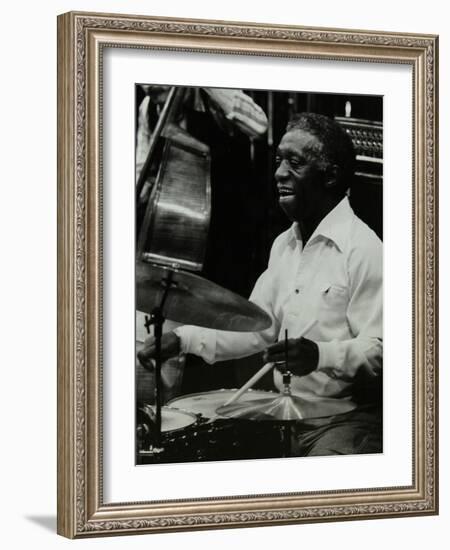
(286, 407)
(196, 301)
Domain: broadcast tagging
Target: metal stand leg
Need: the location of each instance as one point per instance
(158, 321)
(287, 444)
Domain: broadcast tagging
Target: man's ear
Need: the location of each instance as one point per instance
(332, 176)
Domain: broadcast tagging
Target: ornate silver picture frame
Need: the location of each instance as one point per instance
(83, 511)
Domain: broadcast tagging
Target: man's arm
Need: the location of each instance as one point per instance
(219, 345)
(240, 110)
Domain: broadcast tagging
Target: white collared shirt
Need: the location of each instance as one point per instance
(335, 280)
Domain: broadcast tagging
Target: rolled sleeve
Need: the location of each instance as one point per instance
(198, 341)
(342, 360)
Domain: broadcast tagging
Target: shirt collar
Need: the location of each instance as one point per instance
(334, 226)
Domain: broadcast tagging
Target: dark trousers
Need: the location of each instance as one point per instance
(356, 432)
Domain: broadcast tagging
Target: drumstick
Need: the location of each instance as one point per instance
(264, 370)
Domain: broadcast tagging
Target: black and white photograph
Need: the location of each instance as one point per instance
(259, 274)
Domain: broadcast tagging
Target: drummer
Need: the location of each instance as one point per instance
(327, 267)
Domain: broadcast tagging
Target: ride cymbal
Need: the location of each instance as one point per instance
(193, 300)
(286, 407)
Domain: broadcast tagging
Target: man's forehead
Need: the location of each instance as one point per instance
(297, 139)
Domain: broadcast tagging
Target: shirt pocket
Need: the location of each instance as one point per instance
(333, 303)
(331, 292)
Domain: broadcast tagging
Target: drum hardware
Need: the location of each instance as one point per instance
(157, 319)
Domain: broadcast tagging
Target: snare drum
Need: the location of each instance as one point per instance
(207, 436)
(173, 421)
(219, 438)
(206, 403)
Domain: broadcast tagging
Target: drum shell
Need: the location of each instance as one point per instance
(213, 438)
(172, 421)
(218, 441)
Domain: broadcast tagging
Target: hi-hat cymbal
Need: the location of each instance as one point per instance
(196, 301)
(286, 407)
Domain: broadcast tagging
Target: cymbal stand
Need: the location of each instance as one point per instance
(287, 447)
(157, 319)
(287, 426)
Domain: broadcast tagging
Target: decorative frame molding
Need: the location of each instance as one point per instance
(81, 37)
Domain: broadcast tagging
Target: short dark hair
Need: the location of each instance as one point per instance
(337, 146)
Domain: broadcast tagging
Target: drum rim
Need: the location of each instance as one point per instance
(182, 411)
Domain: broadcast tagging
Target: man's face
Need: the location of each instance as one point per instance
(300, 181)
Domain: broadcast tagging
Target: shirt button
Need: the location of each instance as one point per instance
(297, 291)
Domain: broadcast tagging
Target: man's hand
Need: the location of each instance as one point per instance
(170, 346)
(303, 355)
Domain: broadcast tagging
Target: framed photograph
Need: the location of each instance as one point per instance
(247, 287)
